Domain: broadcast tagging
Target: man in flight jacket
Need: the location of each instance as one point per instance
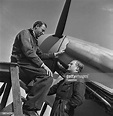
(69, 91)
(33, 71)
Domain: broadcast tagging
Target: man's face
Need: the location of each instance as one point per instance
(73, 67)
(39, 30)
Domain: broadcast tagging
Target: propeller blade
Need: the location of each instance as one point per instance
(63, 18)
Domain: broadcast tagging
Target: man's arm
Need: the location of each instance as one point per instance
(54, 88)
(45, 56)
(78, 94)
(61, 69)
(27, 49)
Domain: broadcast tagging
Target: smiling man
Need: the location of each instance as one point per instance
(33, 71)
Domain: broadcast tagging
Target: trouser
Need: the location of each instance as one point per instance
(38, 83)
(37, 94)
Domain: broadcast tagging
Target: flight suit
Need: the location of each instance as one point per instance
(29, 57)
(68, 93)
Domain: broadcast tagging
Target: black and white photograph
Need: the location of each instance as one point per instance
(56, 57)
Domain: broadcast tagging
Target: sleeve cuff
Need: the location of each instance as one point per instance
(42, 65)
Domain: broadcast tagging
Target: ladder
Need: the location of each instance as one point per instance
(9, 76)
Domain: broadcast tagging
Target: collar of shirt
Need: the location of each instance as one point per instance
(33, 34)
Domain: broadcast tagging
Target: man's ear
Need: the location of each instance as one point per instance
(36, 27)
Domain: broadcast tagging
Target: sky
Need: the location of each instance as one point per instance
(89, 20)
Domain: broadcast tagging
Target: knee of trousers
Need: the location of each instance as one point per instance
(50, 81)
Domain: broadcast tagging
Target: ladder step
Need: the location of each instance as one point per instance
(6, 113)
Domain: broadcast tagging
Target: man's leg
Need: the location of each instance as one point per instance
(40, 84)
(37, 94)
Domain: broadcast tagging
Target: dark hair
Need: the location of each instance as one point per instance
(39, 24)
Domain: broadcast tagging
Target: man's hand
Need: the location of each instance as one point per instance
(66, 108)
(49, 72)
(59, 53)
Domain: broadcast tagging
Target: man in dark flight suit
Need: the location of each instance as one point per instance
(33, 71)
(69, 91)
